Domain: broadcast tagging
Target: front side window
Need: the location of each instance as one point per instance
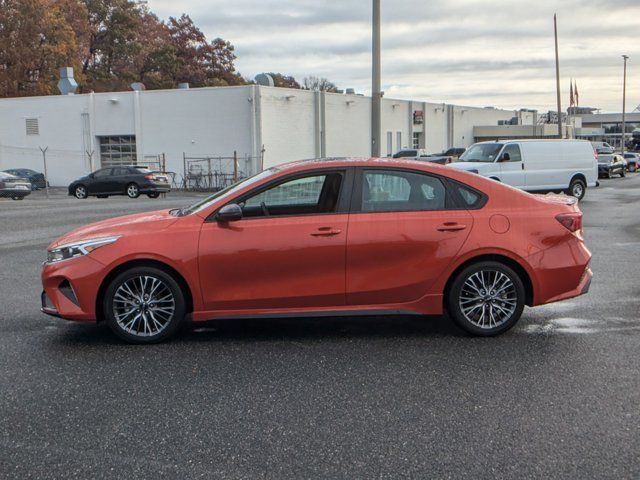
(105, 172)
(394, 191)
(313, 194)
(514, 152)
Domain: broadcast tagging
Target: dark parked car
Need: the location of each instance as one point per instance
(36, 178)
(410, 153)
(123, 180)
(13, 187)
(445, 157)
(633, 161)
(609, 165)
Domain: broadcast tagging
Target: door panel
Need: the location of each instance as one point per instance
(274, 262)
(396, 257)
(512, 171)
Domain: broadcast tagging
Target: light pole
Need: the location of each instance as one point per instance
(555, 34)
(624, 100)
(375, 82)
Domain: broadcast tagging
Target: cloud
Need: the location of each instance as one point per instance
(478, 52)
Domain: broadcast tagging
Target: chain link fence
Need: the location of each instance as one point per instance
(41, 167)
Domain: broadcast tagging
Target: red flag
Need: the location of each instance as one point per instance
(571, 98)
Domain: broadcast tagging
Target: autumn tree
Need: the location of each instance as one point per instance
(284, 81)
(35, 40)
(111, 43)
(319, 84)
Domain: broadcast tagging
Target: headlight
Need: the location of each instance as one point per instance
(77, 249)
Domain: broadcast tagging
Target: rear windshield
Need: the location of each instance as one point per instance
(481, 152)
(142, 170)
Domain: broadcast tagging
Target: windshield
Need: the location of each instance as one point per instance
(481, 152)
(226, 192)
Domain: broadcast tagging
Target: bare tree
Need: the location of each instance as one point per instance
(319, 84)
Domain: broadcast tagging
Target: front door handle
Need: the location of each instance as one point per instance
(451, 227)
(326, 232)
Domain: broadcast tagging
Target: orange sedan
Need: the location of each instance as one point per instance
(326, 237)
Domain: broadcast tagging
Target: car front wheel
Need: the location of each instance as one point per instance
(486, 299)
(144, 305)
(80, 192)
(133, 191)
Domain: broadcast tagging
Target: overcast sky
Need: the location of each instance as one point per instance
(470, 52)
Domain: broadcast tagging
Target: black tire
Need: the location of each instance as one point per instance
(118, 322)
(17, 197)
(132, 190)
(80, 192)
(508, 303)
(623, 173)
(153, 195)
(577, 188)
(102, 196)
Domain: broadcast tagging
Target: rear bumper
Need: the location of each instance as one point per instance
(155, 188)
(561, 271)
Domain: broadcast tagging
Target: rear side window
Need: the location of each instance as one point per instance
(467, 197)
(394, 191)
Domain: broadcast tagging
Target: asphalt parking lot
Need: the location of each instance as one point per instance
(556, 397)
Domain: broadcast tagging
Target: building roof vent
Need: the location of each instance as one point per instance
(137, 86)
(67, 84)
(265, 80)
(183, 86)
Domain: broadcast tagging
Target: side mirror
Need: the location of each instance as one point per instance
(229, 213)
(505, 157)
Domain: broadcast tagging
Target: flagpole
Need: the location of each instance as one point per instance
(555, 32)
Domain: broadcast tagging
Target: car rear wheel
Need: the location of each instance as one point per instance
(133, 191)
(577, 189)
(623, 173)
(17, 197)
(153, 195)
(80, 192)
(144, 305)
(486, 299)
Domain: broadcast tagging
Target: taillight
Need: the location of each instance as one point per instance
(150, 177)
(572, 221)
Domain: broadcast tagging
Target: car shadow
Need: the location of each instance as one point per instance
(279, 329)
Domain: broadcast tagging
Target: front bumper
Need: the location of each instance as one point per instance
(70, 288)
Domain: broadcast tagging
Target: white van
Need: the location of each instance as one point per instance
(535, 165)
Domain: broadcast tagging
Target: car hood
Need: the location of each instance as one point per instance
(128, 224)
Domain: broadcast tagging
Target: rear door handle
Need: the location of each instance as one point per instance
(326, 232)
(451, 227)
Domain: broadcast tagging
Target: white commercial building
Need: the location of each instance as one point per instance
(265, 126)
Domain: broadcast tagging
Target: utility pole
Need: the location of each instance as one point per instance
(555, 32)
(624, 100)
(46, 176)
(376, 94)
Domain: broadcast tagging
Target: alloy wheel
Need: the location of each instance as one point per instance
(143, 306)
(81, 192)
(488, 299)
(132, 191)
